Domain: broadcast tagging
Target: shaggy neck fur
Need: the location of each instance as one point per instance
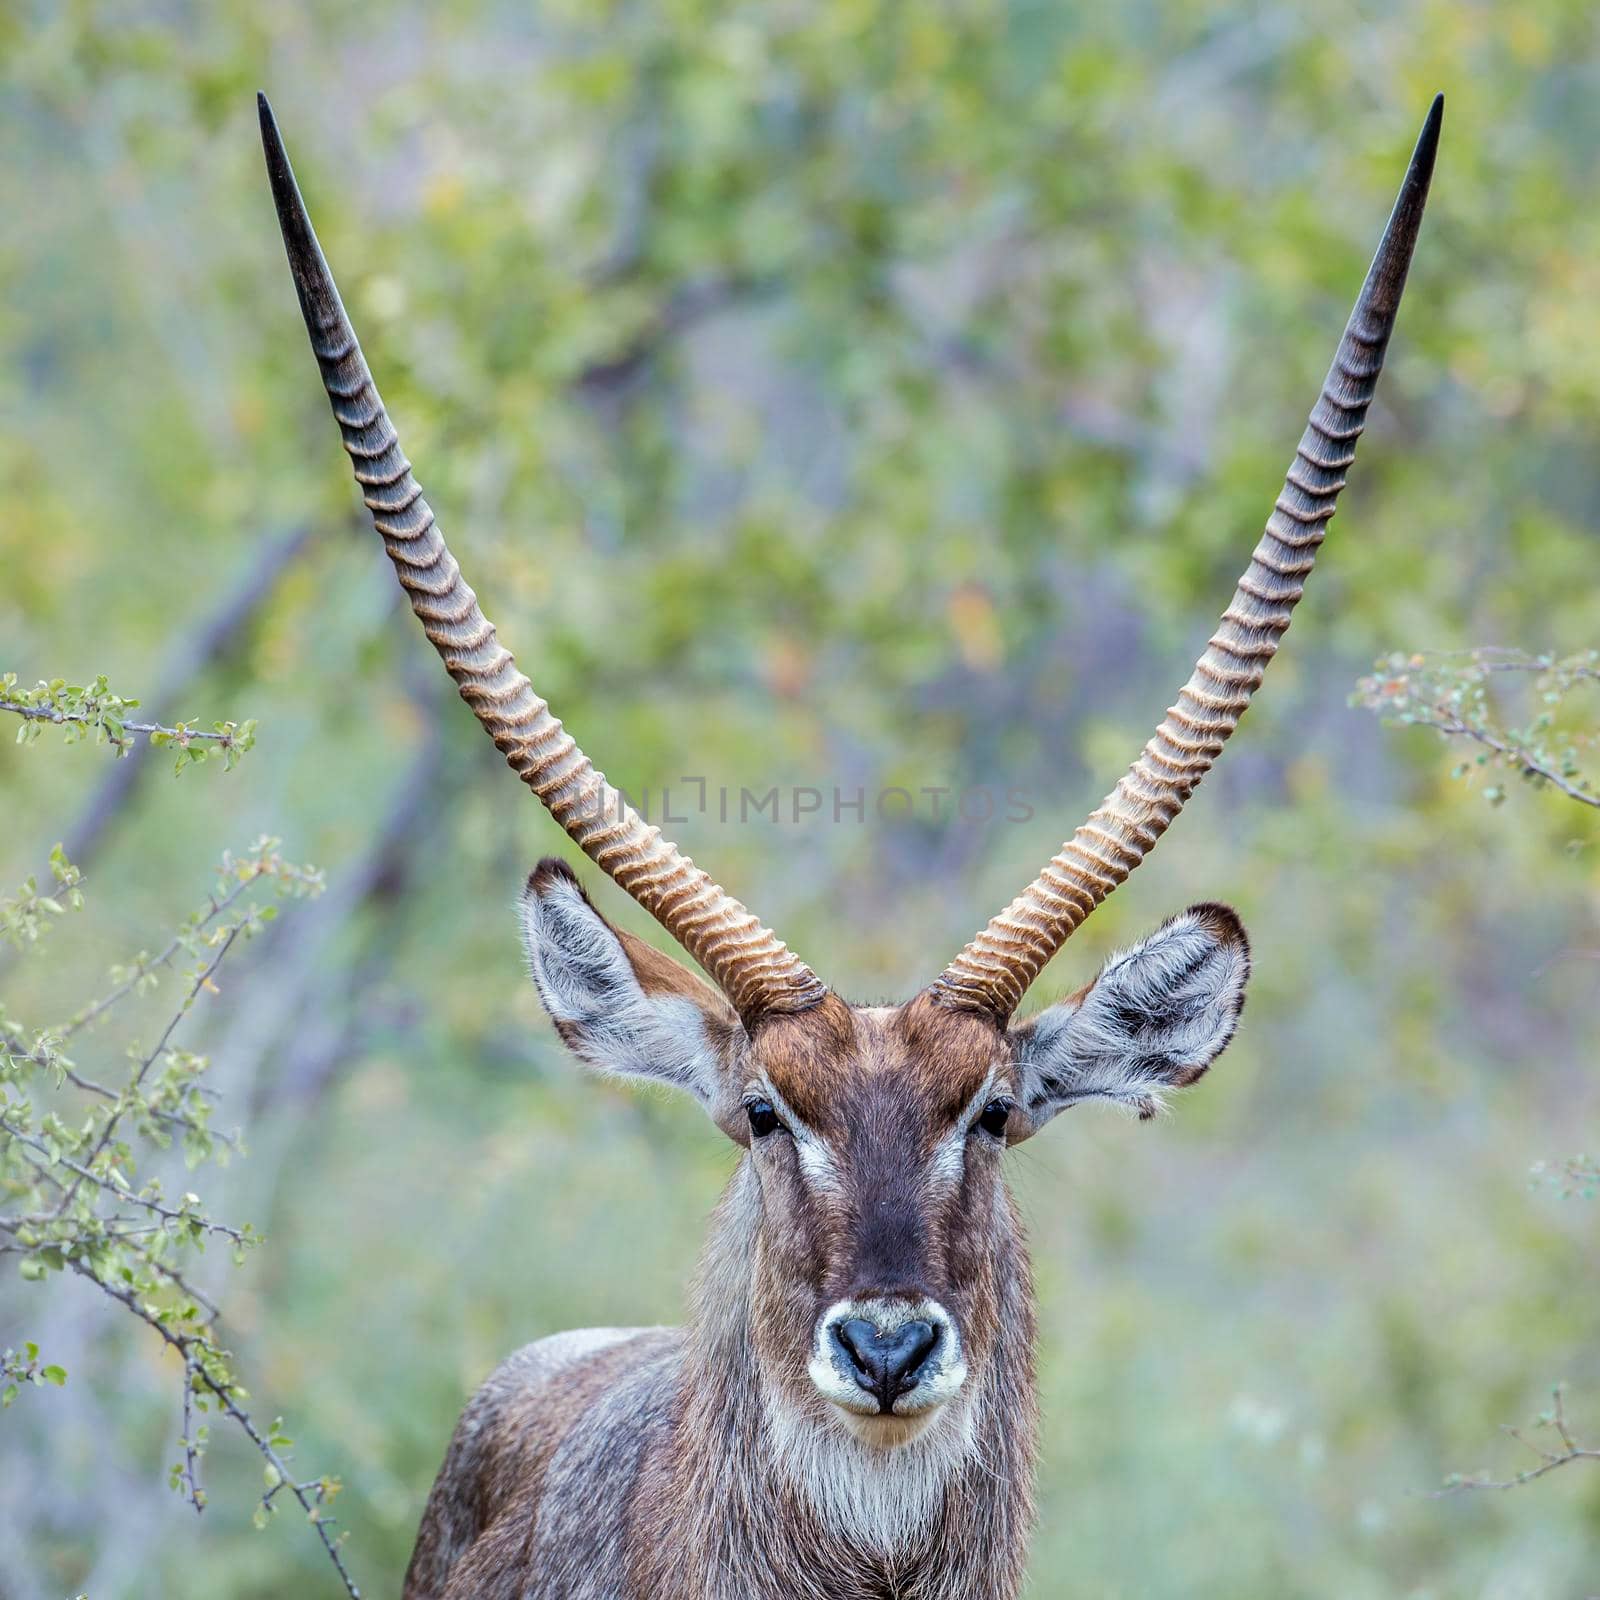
(758, 1493)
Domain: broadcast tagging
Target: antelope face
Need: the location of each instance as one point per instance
(876, 1138)
(887, 1267)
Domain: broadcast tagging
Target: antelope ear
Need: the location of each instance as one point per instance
(620, 1005)
(1154, 1019)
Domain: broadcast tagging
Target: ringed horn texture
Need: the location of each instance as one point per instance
(752, 966)
(994, 971)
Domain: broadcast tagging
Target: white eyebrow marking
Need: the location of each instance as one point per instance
(949, 1161)
(816, 1159)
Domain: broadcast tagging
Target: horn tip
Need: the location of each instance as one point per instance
(1387, 276)
(272, 145)
(298, 237)
(1428, 139)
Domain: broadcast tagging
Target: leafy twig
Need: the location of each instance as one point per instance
(1449, 693)
(1550, 1460)
(193, 1441)
(16, 1370)
(25, 916)
(66, 1199)
(200, 1371)
(138, 973)
(1577, 1177)
(188, 1218)
(93, 710)
(202, 980)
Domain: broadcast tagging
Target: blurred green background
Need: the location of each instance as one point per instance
(827, 394)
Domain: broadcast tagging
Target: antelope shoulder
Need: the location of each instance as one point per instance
(536, 1411)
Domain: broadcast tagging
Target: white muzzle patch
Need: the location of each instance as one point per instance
(939, 1377)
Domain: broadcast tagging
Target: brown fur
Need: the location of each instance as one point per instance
(707, 1464)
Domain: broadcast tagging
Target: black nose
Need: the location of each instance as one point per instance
(886, 1365)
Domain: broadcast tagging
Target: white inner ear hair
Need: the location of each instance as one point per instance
(1157, 1016)
(589, 987)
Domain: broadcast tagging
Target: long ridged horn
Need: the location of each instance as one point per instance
(994, 971)
(752, 966)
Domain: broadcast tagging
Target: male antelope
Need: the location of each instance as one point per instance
(850, 1411)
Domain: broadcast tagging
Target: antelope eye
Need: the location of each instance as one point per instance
(995, 1117)
(763, 1119)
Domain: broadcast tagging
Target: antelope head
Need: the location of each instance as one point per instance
(882, 1255)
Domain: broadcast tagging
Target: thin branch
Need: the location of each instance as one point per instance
(114, 1227)
(147, 964)
(1440, 717)
(87, 1174)
(180, 734)
(60, 1176)
(192, 1491)
(173, 1119)
(1507, 658)
(311, 1495)
(175, 1278)
(1549, 1460)
(154, 1055)
(1446, 691)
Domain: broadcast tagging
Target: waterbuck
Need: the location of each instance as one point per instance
(850, 1411)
